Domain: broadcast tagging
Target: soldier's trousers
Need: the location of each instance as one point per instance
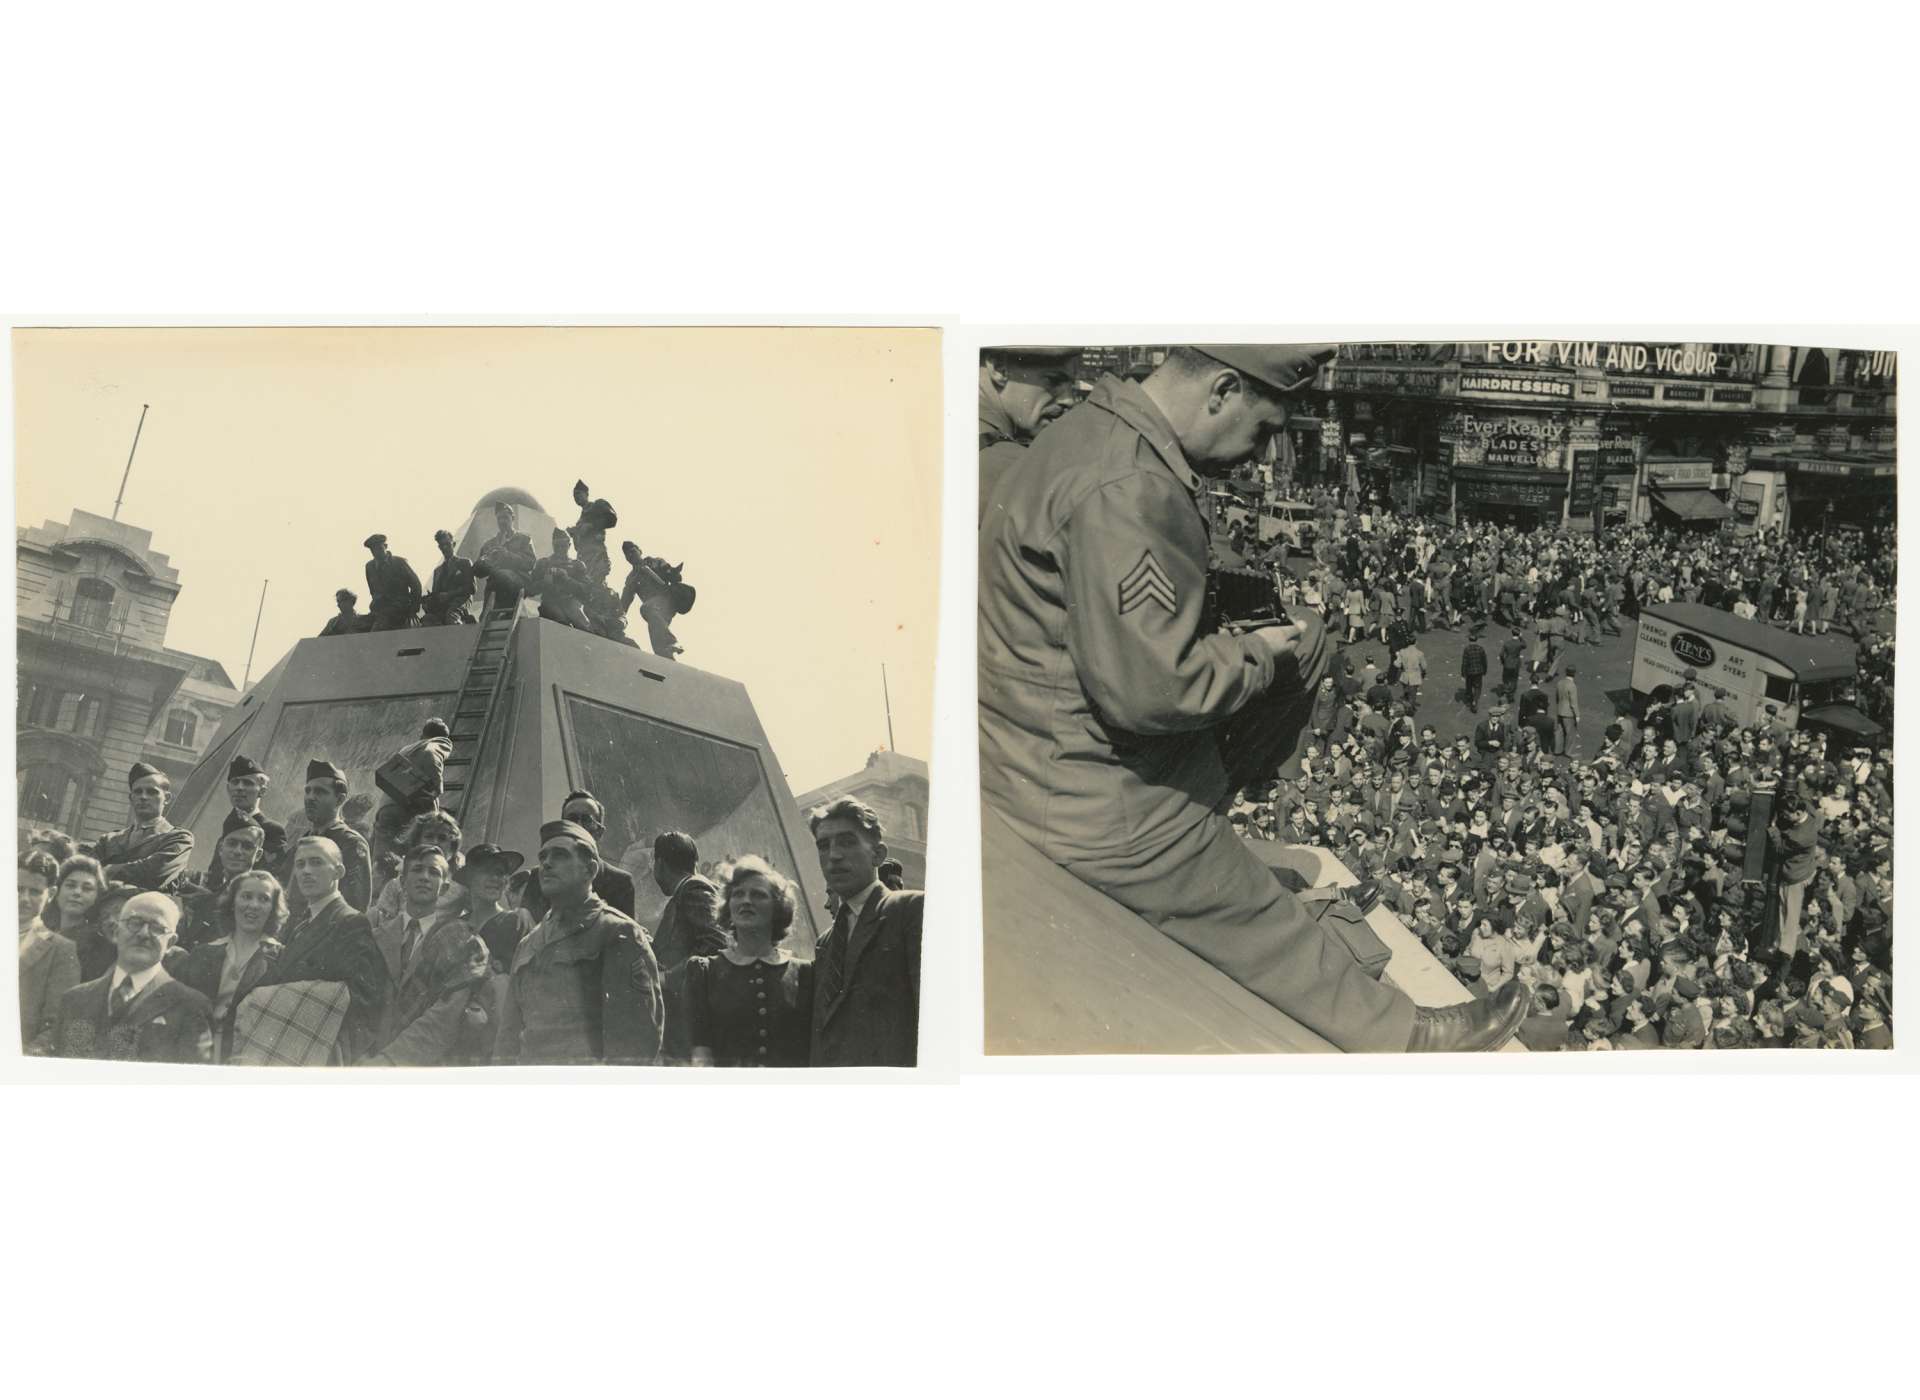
(1202, 887)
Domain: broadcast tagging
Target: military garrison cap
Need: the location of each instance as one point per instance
(320, 768)
(244, 767)
(373, 541)
(146, 770)
(568, 831)
(1283, 368)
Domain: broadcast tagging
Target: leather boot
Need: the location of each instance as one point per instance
(1472, 1025)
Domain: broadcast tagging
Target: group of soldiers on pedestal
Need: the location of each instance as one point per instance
(571, 582)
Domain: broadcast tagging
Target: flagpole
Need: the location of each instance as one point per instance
(256, 634)
(130, 451)
(889, 698)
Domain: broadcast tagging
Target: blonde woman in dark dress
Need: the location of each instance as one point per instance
(752, 1003)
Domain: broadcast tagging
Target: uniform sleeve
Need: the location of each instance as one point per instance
(1136, 586)
(633, 1009)
(699, 911)
(166, 863)
(356, 885)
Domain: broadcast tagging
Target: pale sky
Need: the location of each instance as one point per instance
(796, 472)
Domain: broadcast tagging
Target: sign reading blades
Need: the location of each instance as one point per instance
(1695, 651)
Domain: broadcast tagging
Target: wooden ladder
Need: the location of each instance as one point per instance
(472, 716)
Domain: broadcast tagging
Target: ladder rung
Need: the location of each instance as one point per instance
(457, 760)
(457, 737)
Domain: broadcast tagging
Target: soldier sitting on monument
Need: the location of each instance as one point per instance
(506, 561)
(446, 601)
(561, 584)
(346, 622)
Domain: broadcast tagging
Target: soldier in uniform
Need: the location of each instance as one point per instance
(246, 782)
(1114, 731)
(1021, 391)
(506, 561)
(393, 588)
(562, 584)
(320, 801)
(658, 586)
(584, 986)
(590, 533)
(446, 601)
(346, 622)
(150, 852)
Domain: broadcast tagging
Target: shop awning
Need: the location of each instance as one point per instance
(1691, 505)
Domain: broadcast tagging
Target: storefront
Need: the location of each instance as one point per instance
(1506, 465)
(1855, 489)
(1526, 500)
(1680, 493)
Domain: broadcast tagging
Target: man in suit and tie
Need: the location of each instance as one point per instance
(246, 783)
(437, 1012)
(1579, 889)
(1493, 736)
(49, 963)
(1566, 713)
(610, 882)
(1685, 718)
(150, 852)
(326, 789)
(689, 928)
(393, 588)
(135, 1010)
(866, 987)
(331, 941)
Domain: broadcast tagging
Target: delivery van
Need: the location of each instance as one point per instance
(1763, 670)
(1295, 521)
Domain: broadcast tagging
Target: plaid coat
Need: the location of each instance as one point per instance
(337, 945)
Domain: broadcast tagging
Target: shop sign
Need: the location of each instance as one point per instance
(1861, 400)
(1529, 386)
(1840, 468)
(1747, 506)
(1723, 394)
(1624, 358)
(1680, 474)
(1693, 649)
(1630, 391)
(1399, 381)
(1539, 494)
(1694, 392)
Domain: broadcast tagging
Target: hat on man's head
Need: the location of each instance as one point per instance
(1687, 987)
(146, 770)
(373, 541)
(1283, 369)
(570, 831)
(244, 767)
(320, 768)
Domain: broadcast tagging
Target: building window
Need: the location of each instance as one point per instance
(92, 604)
(90, 717)
(42, 705)
(49, 793)
(180, 727)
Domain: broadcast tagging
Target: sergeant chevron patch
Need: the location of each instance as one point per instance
(1147, 583)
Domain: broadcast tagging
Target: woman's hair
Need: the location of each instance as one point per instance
(783, 899)
(276, 920)
(415, 835)
(79, 865)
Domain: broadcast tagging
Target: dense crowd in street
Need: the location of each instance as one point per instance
(1615, 885)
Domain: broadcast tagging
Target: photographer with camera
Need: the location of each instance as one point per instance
(1115, 728)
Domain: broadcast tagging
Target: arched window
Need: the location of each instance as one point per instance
(92, 604)
(180, 727)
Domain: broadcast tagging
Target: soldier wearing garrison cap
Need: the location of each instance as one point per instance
(1114, 725)
(393, 588)
(247, 783)
(1022, 389)
(584, 987)
(149, 852)
(325, 790)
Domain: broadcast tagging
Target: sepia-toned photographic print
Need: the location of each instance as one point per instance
(1401, 697)
(420, 696)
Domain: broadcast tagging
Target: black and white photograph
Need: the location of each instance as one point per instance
(424, 696)
(1409, 696)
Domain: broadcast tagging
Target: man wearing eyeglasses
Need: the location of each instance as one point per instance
(1115, 724)
(1022, 389)
(135, 1010)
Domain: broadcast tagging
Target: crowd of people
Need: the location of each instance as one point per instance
(354, 940)
(571, 582)
(1617, 886)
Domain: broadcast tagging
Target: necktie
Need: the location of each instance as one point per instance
(834, 969)
(410, 943)
(122, 995)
